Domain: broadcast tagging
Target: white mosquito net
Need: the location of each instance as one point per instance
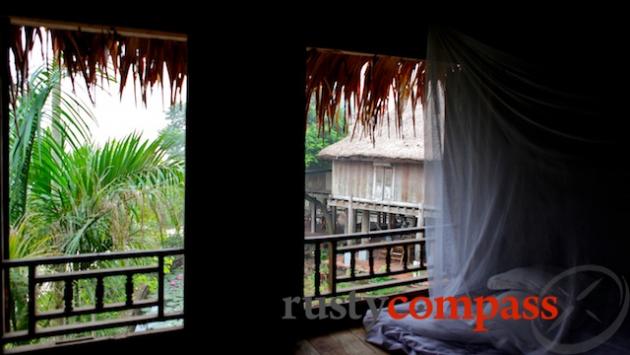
(525, 179)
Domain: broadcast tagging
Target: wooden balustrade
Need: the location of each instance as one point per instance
(336, 249)
(69, 279)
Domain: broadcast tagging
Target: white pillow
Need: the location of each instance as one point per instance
(531, 279)
(534, 279)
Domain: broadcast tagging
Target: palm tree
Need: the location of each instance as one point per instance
(84, 195)
(84, 198)
(67, 117)
(69, 196)
(26, 124)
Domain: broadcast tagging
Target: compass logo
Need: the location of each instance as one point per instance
(577, 310)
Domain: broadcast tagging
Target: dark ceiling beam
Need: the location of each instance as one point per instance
(407, 43)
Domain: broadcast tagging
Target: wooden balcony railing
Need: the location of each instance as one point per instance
(332, 242)
(69, 279)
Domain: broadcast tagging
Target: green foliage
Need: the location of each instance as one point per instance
(92, 198)
(168, 264)
(317, 139)
(150, 281)
(175, 131)
(25, 129)
(69, 196)
(26, 238)
(19, 287)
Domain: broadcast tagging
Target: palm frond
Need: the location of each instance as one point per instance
(84, 191)
(26, 122)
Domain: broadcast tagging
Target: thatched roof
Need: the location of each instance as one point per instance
(88, 52)
(369, 84)
(390, 141)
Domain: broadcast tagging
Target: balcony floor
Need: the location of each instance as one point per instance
(343, 342)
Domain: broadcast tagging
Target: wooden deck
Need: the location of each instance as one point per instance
(343, 342)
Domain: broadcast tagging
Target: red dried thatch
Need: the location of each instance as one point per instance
(89, 53)
(336, 79)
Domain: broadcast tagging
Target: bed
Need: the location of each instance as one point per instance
(455, 336)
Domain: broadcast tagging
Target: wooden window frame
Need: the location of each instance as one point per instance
(158, 338)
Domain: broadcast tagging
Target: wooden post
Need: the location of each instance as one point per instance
(32, 325)
(351, 221)
(365, 221)
(419, 223)
(391, 221)
(326, 217)
(333, 218)
(100, 292)
(160, 290)
(381, 219)
(365, 227)
(349, 228)
(318, 259)
(313, 209)
(332, 267)
(331, 248)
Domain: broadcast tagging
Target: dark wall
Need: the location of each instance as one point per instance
(246, 104)
(196, 262)
(244, 176)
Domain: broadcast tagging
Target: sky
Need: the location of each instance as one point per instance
(115, 117)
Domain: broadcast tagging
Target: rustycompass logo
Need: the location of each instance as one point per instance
(440, 308)
(566, 316)
(579, 310)
(486, 307)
